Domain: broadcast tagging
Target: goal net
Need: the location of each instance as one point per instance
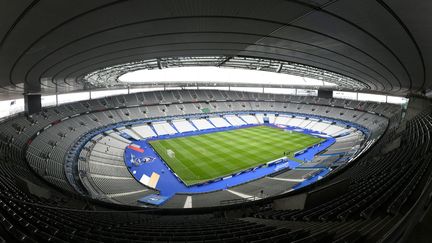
(170, 153)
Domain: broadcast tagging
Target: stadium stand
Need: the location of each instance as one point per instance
(219, 122)
(201, 124)
(216, 121)
(56, 173)
(392, 184)
(163, 128)
(235, 120)
(143, 131)
(249, 119)
(183, 126)
(376, 182)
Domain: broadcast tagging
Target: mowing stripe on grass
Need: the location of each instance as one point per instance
(204, 157)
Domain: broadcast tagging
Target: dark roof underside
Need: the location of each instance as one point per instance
(384, 43)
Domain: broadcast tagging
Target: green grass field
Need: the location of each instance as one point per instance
(208, 156)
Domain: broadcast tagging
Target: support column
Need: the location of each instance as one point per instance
(56, 94)
(32, 103)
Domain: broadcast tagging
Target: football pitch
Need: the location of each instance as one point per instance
(199, 158)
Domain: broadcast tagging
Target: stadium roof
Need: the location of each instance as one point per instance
(385, 45)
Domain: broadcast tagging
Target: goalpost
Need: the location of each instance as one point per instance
(170, 153)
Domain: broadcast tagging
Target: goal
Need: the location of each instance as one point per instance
(170, 153)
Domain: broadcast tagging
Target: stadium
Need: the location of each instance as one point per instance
(215, 121)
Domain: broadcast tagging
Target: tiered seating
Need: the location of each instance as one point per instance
(271, 118)
(47, 152)
(106, 174)
(144, 131)
(380, 187)
(304, 123)
(282, 120)
(260, 188)
(163, 128)
(130, 132)
(295, 122)
(123, 141)
(346, 143)
(260, 118)
(249, 119)
(297, 175)
(320, 126)
(183, 125)
(214, 199)
(333, 129)
(383, 188)
(219, 122)
(235, 120)
(202, 124)
(312, 123)
(32, 223)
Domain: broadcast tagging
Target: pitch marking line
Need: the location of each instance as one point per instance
(283, 179)
(242, 195)
(188, 202)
